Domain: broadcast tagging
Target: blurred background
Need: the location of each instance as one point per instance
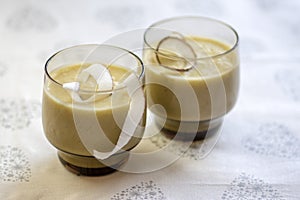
(269, 29)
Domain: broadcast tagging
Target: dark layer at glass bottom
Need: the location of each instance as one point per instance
(89, 171)
(189, 131)
(90, 166)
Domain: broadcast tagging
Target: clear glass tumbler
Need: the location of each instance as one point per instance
(93, 107)
(192, 73)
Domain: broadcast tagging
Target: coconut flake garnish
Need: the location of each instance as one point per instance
(102, 78)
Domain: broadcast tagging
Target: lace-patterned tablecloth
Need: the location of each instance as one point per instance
(258, 153)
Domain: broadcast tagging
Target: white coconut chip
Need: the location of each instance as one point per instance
(102, 77)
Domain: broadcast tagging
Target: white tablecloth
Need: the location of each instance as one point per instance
(258, 153)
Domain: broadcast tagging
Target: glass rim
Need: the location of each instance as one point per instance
(154, 26)
(139, 76)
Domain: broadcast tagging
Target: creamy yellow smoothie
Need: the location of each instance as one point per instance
(61, 113)
(213, 79)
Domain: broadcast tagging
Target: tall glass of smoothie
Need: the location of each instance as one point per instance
(192, 73)
(93, 107)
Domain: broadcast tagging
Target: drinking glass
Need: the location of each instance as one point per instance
(192, 75)
(92, 129)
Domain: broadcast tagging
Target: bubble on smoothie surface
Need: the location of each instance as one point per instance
(175, 52)
(95, 78)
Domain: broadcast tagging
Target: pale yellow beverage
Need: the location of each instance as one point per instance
(61, 113)
(207, 91)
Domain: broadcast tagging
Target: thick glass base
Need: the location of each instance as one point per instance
(188, 130)
(90, 166)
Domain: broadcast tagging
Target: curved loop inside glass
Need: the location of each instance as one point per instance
(191, 26)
